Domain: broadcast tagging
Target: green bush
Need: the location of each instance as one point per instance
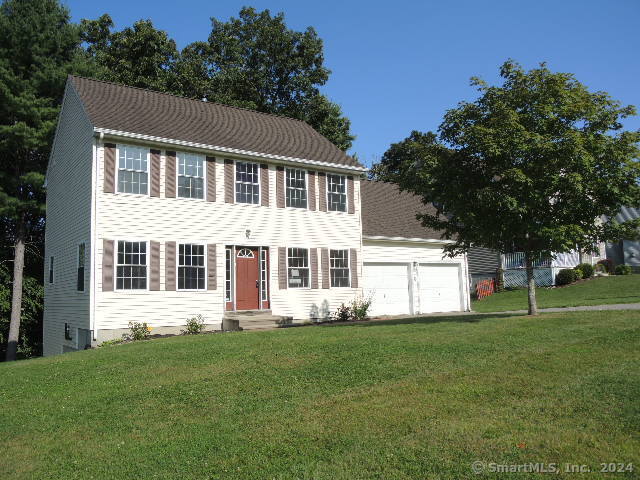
(109, 343)
(360, 308)
(194, 326)
(623, 270)
(342, 314)
(578, 274)
(138, 331)
(608, 264)
(586, 269)
(566, 276)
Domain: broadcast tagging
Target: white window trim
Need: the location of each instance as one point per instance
(206, 267)
(204, 177)
(115, 267)
(235, 168)
(117, 162)
(348, 265)
(306, 186)
(308, 249)
(346, 192)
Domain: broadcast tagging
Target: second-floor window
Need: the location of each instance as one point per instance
(296, 188)
(190, 175)
(247, 183)
(131, 268)
(191, 269)
(133, 169)
(336, 193)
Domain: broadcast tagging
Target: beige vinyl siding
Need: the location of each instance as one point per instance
(220, 223)
(377, 251)
(68, 224)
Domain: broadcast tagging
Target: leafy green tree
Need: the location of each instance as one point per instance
(139, 56)
(531, 166)
(38, 47)
(256, 62)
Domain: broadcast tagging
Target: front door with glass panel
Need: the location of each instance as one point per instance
(247, 278)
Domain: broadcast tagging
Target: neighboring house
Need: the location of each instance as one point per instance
(625, 252)
(161, 207)
(405, 270)
(483, 264)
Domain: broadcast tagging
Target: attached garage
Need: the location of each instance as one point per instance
(388, 286)
(405, 270)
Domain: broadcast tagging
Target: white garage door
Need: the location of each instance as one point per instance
(439, 288)
(388, 285)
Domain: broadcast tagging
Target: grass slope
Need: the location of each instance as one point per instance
(597, 291)
(388, 400)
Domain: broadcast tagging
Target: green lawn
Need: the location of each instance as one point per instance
(596, 291)
(410, 399)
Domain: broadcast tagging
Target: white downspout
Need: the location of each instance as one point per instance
(94, 241)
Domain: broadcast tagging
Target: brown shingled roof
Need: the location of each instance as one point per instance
(136, 110)
(388, 212)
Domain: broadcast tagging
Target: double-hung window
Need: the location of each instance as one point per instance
(247, 183)
(191, 269)
(296, 188)
(190, 175)
(51, 275)
(133, 169)
(298, 267)
(80, 276)
(336, 193)
(339, 268)
(131, 269)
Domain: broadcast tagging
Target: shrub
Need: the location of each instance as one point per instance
(138, 331)
(586, 269)
(566, 276)
(342, 314)
(608, 264)
(578, 274)
(194, 325)
(623, 270)
(115, 341)
(360, 308)
(600, 269)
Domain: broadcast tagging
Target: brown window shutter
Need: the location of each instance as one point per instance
(211, 179)
(280, 187)
(282, 268)
(353, 259)
(351, 204)
(324, 264)
(110, 167)
(322, 190)
(311, 188)
(107, 265)
(264, 185)
(154, 266)
(170, 175)
(154, 171)
(212, 277)
(314, 267)
(170, 266)
(228, 181)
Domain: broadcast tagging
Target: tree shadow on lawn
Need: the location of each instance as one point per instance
(427, 319)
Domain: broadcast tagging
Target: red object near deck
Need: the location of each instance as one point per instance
(484, 288)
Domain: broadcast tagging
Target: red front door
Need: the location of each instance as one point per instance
(247, 283)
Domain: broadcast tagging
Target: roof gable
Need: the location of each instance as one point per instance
(135, 110)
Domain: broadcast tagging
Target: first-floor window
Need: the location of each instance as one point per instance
(298, 267)
(50, 269)
(131, 271)
(191, 269)
(339, 268)
(80, 281)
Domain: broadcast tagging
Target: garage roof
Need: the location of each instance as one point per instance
(388, 212)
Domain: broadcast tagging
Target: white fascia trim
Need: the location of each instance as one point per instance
(380, 238)
(233, 151)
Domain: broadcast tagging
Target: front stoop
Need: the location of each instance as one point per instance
(255, 320)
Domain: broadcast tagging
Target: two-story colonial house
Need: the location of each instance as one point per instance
(161, 207)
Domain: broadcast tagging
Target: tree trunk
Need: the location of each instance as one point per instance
(16, 298)
(531, 285)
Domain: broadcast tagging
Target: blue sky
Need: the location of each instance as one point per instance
(398, 66)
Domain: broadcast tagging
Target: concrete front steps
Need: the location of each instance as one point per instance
(253, 320)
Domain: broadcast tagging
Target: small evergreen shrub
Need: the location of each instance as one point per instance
(586, 269)
(138, 331)
(194, 325)
(623, 270)
(578, 274)
(566, 276)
